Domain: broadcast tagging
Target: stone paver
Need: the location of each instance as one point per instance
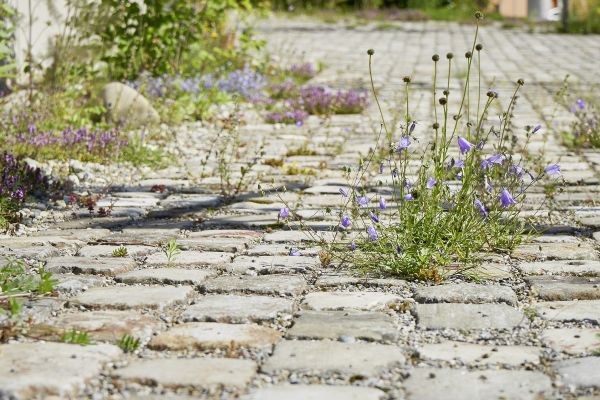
(366, 359)
(101, 266)
(435, 384)
(575, 267)
(39, 370)
(105, 250)
(350, 301)
(316, 392)
(214, 335)
(574, 341)
(556, 251)
(198, 372)
(465, 293)
(468, 316)
(273, 264)
(478, 354)
(166, 275)
(238, 309)
(120, 297)
(190, 259)
(565, 288)
(580, 372)
(290, 285)
(345, 325)
(583, 310)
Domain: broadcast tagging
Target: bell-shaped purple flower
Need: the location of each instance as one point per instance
(464, 145)
(372, 232)
(480, 206)
(343, 192)
(431, 182)
(459, 164)
(382, 204)
(363, 201)
(403, 143)
(294, 253)
(395, 173)
(284, 212)
(496, 159)
(517, 170)
(345, 221)
(506, 198)
(536, 128)
(412, 127)
(581, 104)
(374, 217)
(409, 197)
(381, 165)
(353, 246)
(553, 169)
(399, 249)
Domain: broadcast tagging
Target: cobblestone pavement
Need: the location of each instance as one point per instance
(236, 317)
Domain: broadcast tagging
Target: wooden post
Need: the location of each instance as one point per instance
(565, 16)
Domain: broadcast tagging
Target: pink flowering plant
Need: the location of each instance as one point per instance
(441, 194)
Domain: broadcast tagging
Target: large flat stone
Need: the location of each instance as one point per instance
(478, 354)
(581, 310)
(73, 283)
(565, 287)
(214, 335)
(220, 240)
(575, 267)
(556, 251)
(143, 236)
(272, 264)
(335, 325)
(124, 297)
(465, 293)
(237, 309)
(190, 259)
(580, 372)
(575, 341)
(367, 301)
(39, 370)
(316, 392)
(207, 373)
(287, 285)
(297, 236)
(468, 316)
(108, 325)
(367, 359)
(166, 275)
(435, 384)
(83, 265)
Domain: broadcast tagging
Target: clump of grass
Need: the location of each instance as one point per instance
(128, 343)
(294, 169)
(120, 251)
(76, 337)
(584, 130)
(303, 150)
(273, 162)
(457, 195)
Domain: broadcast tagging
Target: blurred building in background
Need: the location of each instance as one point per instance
(544, 10)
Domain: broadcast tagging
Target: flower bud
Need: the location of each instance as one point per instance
(478, 15)
(521, 82)
(446, 92)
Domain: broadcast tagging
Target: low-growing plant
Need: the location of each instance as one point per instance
(120, 251)
(455, 189)
(171, 250)
(584, 130)
(75, 336)
(128, 343)
(302, 72)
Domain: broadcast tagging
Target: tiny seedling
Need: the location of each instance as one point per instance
(76, 337)
(171, 250)
(120, 251)
(128, 343)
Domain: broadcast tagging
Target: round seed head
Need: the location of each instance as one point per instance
(468, 54)
(442, 100)
(370, 52)
(478, 47)
(406, 79)
(449, 56)
(478, 15)
(521, 82)
(436, 125)
(435, 57)
(446, 92)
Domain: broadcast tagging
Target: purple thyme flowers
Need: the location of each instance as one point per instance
(506, 198)
(464, 145)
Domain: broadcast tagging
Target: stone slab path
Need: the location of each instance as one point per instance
(234, 316)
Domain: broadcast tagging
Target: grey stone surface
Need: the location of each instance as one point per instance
(237, 309)
(101, 266)
(465, 293)
(39, 370)
(124, 297)
(287, 285)
(316, 392)
(555, 288)
(575, 267)
(214, 335)
(435, 384)
(367, 301)
(191, 258)
(580, 372)
(206, 373)
(166, 275)
(366, 359)
(126, 105)
(336, 325)
(468, 316)
(575, 341)
(478, 354)
(556, 251)
(71, 283)
(582, 310)
(104, 250)
(272, 264)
